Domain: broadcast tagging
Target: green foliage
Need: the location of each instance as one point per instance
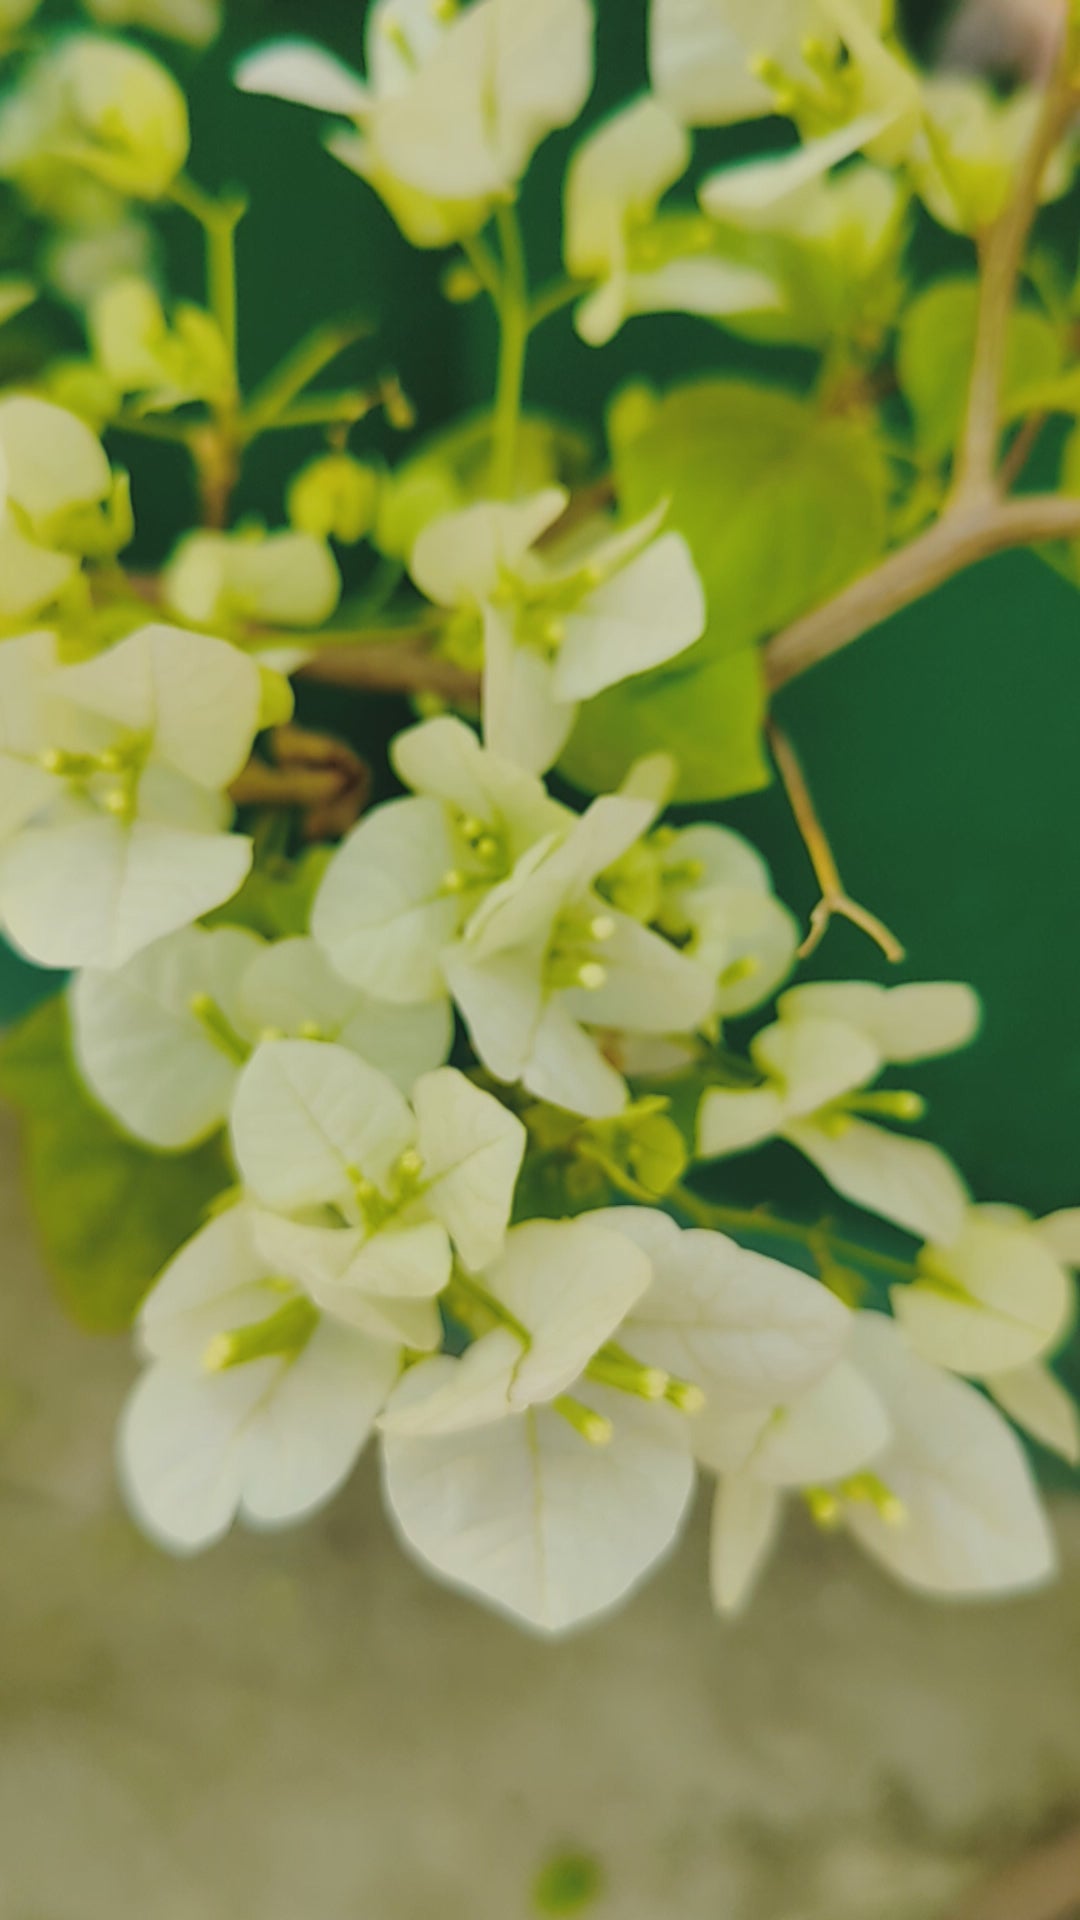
(709, 714)
(781, 505)
(568, 1884)
(937, 340)
(109, 1212)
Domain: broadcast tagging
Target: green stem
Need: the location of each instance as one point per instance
(553, 299)
(513, 311)
(484, 265)
(176, 433)
(317, 410)
(755, 1224)
(288, 381)
(219, 220)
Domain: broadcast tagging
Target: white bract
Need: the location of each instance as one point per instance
(196, 22)
(642, 260)
(718, 61)
(112, 802)
(454, 103)
(965, 160)
(550, 1508)
(364, 1199)
(141, 352)
(969, 1519)
(60, 494)
(230, 581)
(93, 111)
(829, 1044)
(161, 1041)
(555, 627)
(717, 902)
(994, 1304)
(251, 1404)
(918, 1466)
(545, 957)
(410, 876)
(746, 1330)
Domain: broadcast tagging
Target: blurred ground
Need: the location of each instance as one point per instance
(304, 1728)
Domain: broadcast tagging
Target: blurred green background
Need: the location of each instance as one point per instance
(942, 750)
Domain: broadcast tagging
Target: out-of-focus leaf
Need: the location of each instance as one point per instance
(937, 341)
(708, 714)
(781, 505)
(110, 1212)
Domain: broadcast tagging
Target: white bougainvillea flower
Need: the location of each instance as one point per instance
(829, 1044)
(557, 628)
(161, 1041)
(772, 192)
(1034, 1399)
(140, 351)
(969, 1519)
(545, 956)
(97, 107)
(965, 158)
(57, 482)
(821, 1443)
(749, 1331)
(195, 22)
(291, 988)
(717, 902)
(994, 1305)
(453, 106)
(827, 64)
(916, 1464)
(79, 263)
(550, 1508)
(412, 873)
(111, 782)
(643, 261)
(229, 581)
(363, 1198)
(707, 55)
(253, 1404)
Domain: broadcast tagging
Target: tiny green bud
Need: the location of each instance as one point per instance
(460, 283)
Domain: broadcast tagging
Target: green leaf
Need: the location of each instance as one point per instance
(1059, 395)
(937, 341)
(781, 504)
(110, 1213)
(708, 714)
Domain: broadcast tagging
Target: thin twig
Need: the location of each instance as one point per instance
(1043, 1886)
(1001, 257)
(963, 536)
(1020, 451)
(394, 666)
(835, 900)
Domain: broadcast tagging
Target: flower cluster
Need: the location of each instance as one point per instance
(458, 1058)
